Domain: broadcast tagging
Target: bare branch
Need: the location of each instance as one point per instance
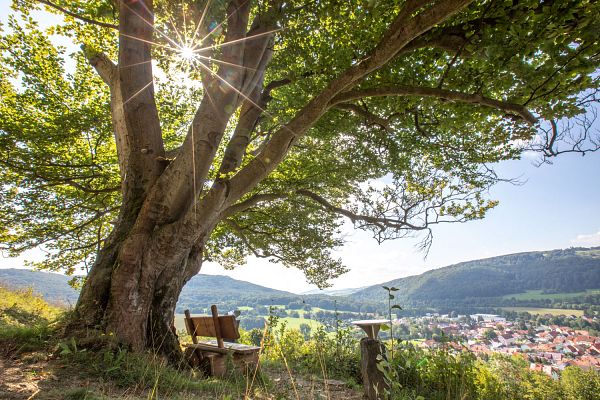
(382, 223)
(577, 135)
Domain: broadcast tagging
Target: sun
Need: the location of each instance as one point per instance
(186, 53)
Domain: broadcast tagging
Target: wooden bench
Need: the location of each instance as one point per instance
(211, 356)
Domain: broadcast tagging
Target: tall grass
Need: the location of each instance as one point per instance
(325, 354)
(411, 372)
(27, 322)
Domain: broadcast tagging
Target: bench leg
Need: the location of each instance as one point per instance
(218, 364)
(246, 363)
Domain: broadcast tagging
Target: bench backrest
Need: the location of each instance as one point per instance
(220, 327)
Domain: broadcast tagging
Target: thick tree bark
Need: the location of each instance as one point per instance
(162, 336)
(151, 288)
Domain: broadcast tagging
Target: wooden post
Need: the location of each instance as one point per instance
(215, 315)
(191, 328)
(373, 381)
(191, 355)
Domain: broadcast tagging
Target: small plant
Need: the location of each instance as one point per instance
(81, 394)
(391, 307)
(69, 347)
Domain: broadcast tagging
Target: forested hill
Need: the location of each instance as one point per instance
(555, 271)
(483, 283)
(53, 287)
(201, 289)
(198, 294)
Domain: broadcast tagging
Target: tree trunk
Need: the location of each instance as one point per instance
(132, 291)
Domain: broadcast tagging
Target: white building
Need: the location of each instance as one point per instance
(488, 317)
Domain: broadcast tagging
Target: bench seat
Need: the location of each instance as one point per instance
(211, 345)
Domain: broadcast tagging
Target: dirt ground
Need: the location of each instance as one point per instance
(39, 376)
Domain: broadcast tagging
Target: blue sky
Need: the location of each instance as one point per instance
(558, 206)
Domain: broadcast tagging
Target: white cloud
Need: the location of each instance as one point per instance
(592, 239)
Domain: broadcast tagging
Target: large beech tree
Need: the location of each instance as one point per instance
(186, 131)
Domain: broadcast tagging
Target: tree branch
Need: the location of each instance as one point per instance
(400, 33)
(238, 231)
(252, 202)
(401, 90)
(369, 116)
(103, 65)
(134, 103)
(77, 16)
(381, 223)
(183, 180)
(257, 55)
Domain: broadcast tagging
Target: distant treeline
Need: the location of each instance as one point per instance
(482, 283)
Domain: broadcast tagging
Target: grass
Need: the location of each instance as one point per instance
(24, 306)
(539, 295)
(26, 320)
(544, 311)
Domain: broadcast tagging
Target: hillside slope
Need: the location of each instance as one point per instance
(555, 271)
(52, 287)
(203, 290)
(474, 284)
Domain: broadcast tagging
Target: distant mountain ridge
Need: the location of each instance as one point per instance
(334, 292)
(477, 283)
(205, 288)
(556, 271)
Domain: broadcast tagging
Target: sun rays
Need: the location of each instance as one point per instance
(192, 49)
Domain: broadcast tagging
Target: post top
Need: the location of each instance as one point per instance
(368, 322)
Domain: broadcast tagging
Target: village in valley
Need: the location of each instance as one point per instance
(548, 348)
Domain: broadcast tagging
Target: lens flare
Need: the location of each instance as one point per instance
(187, 54)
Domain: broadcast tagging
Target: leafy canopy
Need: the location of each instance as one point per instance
(412, 146)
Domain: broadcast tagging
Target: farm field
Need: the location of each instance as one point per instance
(543, 311)
(294, 323)
(539, 295)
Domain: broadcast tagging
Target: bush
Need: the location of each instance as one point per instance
(440, 374)
(578, 384)
(330, 355)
